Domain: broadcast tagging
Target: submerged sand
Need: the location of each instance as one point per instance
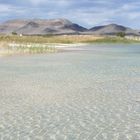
(91, 93)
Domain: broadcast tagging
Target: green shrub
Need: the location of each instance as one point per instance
(121, 34)
(14, 33)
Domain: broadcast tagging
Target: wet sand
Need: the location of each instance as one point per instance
(91, 93)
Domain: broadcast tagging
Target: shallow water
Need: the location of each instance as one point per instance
(87, 93)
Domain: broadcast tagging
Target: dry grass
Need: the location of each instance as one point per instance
(3, 44)
(12, 48)
(50, 39)
(37, 42)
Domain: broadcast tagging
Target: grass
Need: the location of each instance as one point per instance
(7, 48)
(112, 40)
(49, 39)
(32, 49)
(67, 39)
(39, 44)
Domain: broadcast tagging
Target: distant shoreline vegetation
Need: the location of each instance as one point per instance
(68, 39)
(19, 44)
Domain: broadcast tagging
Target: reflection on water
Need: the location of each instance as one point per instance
(89, 93)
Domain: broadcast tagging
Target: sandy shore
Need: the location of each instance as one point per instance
(86, 95)
(15, 48)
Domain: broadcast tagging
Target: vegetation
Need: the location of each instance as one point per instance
(14, 33)
(50, 39)
(44, 44)
(66, 39)
(112, 40)
(121, 34)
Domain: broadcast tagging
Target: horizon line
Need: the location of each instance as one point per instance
(10, 19)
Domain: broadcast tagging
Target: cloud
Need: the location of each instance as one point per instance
(5, 8)
(37, 2)
(85, 12)
(52, 2)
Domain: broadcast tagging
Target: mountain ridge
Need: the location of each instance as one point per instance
(60, 26)
(113, 29)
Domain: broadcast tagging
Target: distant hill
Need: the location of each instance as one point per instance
(112, 29)
(58, 27)
(41, 27)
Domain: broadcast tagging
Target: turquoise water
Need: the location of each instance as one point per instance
(90, 92)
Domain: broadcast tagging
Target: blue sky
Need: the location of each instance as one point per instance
(88, 13)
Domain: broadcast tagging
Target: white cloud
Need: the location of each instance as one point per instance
(5, 8)
(37, 2)
(48, 2)
(86, 12)
(131, 6)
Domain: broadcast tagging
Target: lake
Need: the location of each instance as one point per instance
(85, 93)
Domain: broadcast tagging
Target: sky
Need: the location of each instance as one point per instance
(87, 13)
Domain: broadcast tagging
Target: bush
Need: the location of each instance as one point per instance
(121, 34)
(14, 33)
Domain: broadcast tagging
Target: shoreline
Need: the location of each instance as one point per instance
(12, 49)
(15, 49)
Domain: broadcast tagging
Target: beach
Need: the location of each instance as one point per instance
(85, 93)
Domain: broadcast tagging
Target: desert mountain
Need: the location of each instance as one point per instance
(59, 26)
(41, 27)
(112, 29)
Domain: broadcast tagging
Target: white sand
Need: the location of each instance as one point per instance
(89, 95)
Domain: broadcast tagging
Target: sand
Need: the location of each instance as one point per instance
(88, 94)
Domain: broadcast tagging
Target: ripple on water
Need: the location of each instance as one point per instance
(92, 94)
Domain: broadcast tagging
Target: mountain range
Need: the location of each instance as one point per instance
(60, 27)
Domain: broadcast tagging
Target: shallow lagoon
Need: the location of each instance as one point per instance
(90, 92)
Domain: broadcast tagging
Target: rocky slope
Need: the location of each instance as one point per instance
(41, 27)
(60, 26)
(112, 29)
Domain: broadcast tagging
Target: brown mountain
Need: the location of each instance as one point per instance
(41, 27)
(112, 29)
(58, 27)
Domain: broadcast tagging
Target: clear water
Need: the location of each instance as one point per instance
(87, 93)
